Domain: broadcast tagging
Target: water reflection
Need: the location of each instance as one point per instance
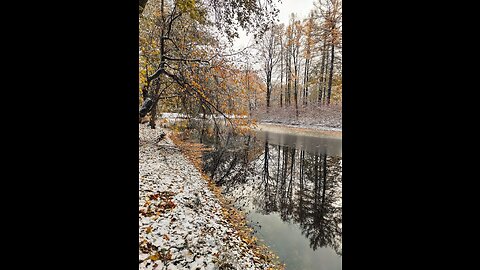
(300, 184)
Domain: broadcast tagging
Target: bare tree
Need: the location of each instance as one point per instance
(281, 38)
(330, 12)
(296, 34)
(307, 52)
(267, 47)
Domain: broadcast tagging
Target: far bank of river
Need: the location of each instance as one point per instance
(316, 131)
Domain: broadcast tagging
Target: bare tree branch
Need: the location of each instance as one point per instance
(171, 22)
(141, 5)
(166, 97)
(185, 60)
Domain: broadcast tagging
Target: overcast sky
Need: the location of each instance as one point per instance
(300, 7)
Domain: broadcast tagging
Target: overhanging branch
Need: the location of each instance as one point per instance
(186, 60)
(141, 5)
(156, 74)
(187, 86)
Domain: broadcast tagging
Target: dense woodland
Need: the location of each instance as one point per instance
(187, 64)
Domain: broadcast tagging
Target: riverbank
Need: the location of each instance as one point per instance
(311, 117)
(182, 223)
(315, 131)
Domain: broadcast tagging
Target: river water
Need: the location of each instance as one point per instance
(290, 186)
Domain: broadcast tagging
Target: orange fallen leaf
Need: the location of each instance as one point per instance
(155, 257)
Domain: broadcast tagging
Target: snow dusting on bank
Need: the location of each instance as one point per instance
(180, 220)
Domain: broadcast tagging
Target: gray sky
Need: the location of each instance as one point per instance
(300, 7)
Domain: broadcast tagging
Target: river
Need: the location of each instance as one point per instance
(290, 186)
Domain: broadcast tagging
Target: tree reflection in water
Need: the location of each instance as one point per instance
(303, 187)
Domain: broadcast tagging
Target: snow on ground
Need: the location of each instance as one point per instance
(180, 221)
(316, 117)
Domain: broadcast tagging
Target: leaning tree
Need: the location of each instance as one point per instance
(184, 31)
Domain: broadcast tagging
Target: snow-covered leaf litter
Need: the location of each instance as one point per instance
(180, 221)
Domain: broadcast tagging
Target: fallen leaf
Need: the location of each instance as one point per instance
(155, 257)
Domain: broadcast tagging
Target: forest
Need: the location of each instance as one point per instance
(187, 63)
(240, 126)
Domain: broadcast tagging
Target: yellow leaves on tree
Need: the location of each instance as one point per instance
(192, 9)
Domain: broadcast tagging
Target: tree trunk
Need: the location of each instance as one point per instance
(301, 206)
(325, 78)
(304, 90)
(281, 72)
(322, 71)
(153, 117)
(153, 111)
(265, 164)
(305, 81)
(285, 166)
(157, 79)
(331, 75)
(278, 163)
(288, 78)
(324, 186)
(290, 183)
(296, 93)
(145, 92)
(295, 82)
(281, 97)
(269, 90)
